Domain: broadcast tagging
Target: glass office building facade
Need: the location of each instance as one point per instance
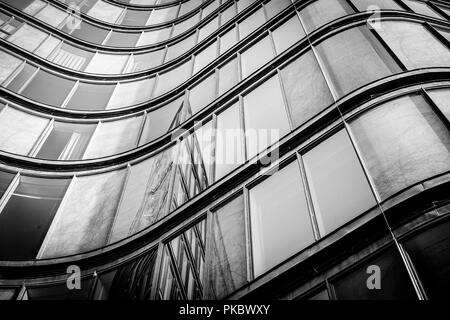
(225, 149)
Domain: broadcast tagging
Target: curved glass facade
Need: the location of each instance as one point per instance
(211, 149)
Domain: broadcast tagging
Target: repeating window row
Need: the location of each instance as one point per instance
(92, 33)
(323, 187)
(110, 13)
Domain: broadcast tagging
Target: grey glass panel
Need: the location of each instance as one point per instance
(430, 255)
(90, 33)
(19, 130)
(162, 120)
(154, 36)
(243, 4)
(441, 98)
(227, 14)
(256, 56)
(52, 15)
(418, 147)
(28, 37)
(189, 6)
(273, 7)
(91, 96)
(287, 34)
(107, 63)
(229, 141)
(322, 295)
(203, 93)
(105, 12)
(8, 293)
(321, 12)
(5, 180)
(114, 137)
(146, 60)
(131, 93)
(84, 221)
(66, 141)
(170, 79)
(212, 6)
(163, 15)
(280, 221)
(145, 197)
(422, 8)
(8, 64)
(363, 5)
(395, 283)
(228, 75)
(135, 17)
(228, 40)
(226, 252)
(48, 88)
(206, 56)
(265, 116)
(415, 46)
(185, 25)
(48, 46)
(338, 186)
(177, 49)
(123, 39)
(27, 216)
(307, 92)
(208, 29)
(23, 76)
(60, 292)
(251, 23)
(354, 58)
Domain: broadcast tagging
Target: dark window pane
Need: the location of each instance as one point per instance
(48, 88)
(354, 58)
(27, 215)
(90, 33)
(91, 96)
(5, 180)
(123, 39)
(227, 264)
(430, 254)
(395, 283)
(135, 17)
(322, 295)
(280, 220)
(67, 141)
(338, 186)
(60, 292)
(307, 92)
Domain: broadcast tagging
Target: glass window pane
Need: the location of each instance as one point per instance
(105, 12)
(227, 263)
(172, 78)
(415, 46)
(205, 57)
(208, 29)
(145, 61)
(21, 78)
(19, 130)
(441, 98)
(27, 215)
(31, 7)
(322, 12)
(8, 64)
(162, 15)
(47, 47)
(135, 18)
(48, 88)
(354, 58)
(203, 93)
(287, 34)
(186, 25)
(418, 147)
(66, 141)
(229, 139)
(123, 39)
(60, 292)
(90, 33)
(181, 47)
(266, 120)
(71, 57)
(51, 15)
(5, 180)
(228, 40)
(395, 283)
(256, 56)
(144, 200)
(280, 221)
(307, 92)
(107, 63)
(370, 5)
(153, 36)
(28, 37)
(422, 8)
(227, 14)
(131, 93)
(162, 120)
(430, 255)
(251, 23)
(273, 7)
(91, 96)
(84, 221)
(338, 186)
(111, 138)
(228, 76)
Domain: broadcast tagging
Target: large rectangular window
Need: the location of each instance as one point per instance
(321, 12)
(338, 186)
(27, 215)
(280, 221)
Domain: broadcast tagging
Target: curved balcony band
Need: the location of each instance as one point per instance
(146, 3)
(294, 122)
